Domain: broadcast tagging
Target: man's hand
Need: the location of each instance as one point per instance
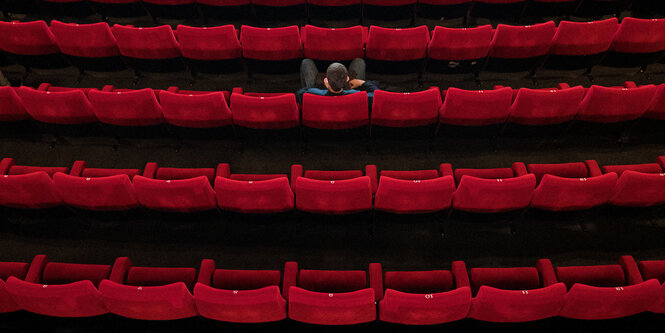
(355, 83)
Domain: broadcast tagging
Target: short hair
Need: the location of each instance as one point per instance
(337, 75)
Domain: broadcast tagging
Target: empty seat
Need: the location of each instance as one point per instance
(150, 293)
(138, 108)
(28, 187)
(458, 50)
(265, 113)
(97, 189)
(546, 106)
(475, 107)
(333, 192)
(335, 112)
(653, 269)
(498, 8)
(11, 105)
(337, 44)
(615, 104)
(519, 48)
(210, 49)
(571, 186)
(253, 193)
(239, 296)
(412, 109)
(390, 45)
(639, 185)
(606, 291)
(443, 9)
(637, 43)
(176, 189)
(153, 49)
(493, 190)
(63, 289)
(88, 46)
(208, 110)
(16, 269)
(426, 297)
(31, 43)
(272, 44)
(656, 110)
(516, 294)
(414, 192)
(333, 297)
(578, 45)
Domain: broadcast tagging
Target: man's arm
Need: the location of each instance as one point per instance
(361, 85)
(303, 91)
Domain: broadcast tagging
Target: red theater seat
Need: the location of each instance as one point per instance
(253, 193)
(333, 297)
(265, 112)
(414, 192)
(85, 40)
(8, 269)
(63, 289)
(475, 107)
(127, 108)
(607, 291)
(426, 297)
(150, 49)
(639, 185)
(615, 104)
(654, 269)
(29, 41)
(11, 105)
(571, 186)
(450, 44)
(581, 39)
(63, 108)
(335, 112)
(334, 44)
(519, 294)
(411, 109)
(150, 293)
(28, 187)
(641, 40)
(656, 109)
(276, 44)
(333, 192)
(397, 44)
(239, 296)
(207, 110)
(513, 43)
(545, 106)
(209, 43)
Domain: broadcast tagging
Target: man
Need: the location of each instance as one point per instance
(337, 81)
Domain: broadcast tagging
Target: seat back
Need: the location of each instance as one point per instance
(34, 190)
(154, 43)
(484, 173)
(197, 111)
(130, 108)
(392, 109)
(475, 107)
(639, 189)
(507, 278)
(277, 112)
(262, 196)
(209, 43)
(335, 44)
(657, 108)
(66, 108)
(335, 112)
(414, 196)
(460, 44)
(334, 196)
(410, 175)
(584, 38)
(98, 194)
(397, 44)
(159, 276)
(493, 195)
(568, 170)
(519, 42)
(327, 281)
(185, 195)
(546, 106)
(11, 105)
(615, 104)
(419, 282)
(27, 38)
(639, 36)
(271, 43)
(85, 40)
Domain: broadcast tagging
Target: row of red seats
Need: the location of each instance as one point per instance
(278, 111)
(334, 297)
(98, 41)
(550, 187)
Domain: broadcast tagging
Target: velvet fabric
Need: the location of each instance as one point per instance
(271, 43)
(254, 196)
(167, 302)
(184, 195)
(397, 44)
(597, 276)
(460, 44)
(27, 38)
(66, 108)
(111, 193)
(512, 306)
(63, 273)
(411, 109)
(493, 195)
(76, 299)
(419, 282)
(424, 309)
(411, 175)
(545, 106)
(334, 196)
(332, 281)
(615, 104)
(7, 269)
(184, 173)
(475, 107)
(656, 109)
(332, 308)
(332, 175)
(235, 279)
(641, 168)
(195, 111)
(29, 191)
(157, 276)
(240, 306)
(506, 278)
(150, 43)
(209, 43)
(278, 112)
(99, 172)
(568, 170)
(566, 194)
(335, 112)
(639, 36)
(519, 42)
(334, 44)
(414, 196)
(638, 189)
(85, 40)
(256, 177)
(497, 173)
(596, 303)
(11, 105)
(584, 38)
(134, 108)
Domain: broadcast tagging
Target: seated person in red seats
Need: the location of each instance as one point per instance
(337, 81)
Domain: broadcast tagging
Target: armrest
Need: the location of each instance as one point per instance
(206, 271)
(36, 269)
(629, 84)
(173, 89)
(296, 171)
(108, 88)
(519, 169)
(461, 275)
(44, 87)
(446, 169)
(563, 86)
(594, 169)
(498, 87)
(5, 165)
(376, 280)
(546, 272)
(633, 275)
(150, 170)
(661, 161)
(370, 171)
(237, 90)
(223, 170)
(77, 168)
(120, 269)
(290, 277)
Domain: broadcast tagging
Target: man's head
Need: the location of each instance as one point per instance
(336, 77)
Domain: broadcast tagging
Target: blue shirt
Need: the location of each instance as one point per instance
(368, 86)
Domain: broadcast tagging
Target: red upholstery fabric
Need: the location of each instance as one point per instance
(332, 281)
(566, 194)
(278, 112)
(260, 196)
(499, 305)
(16, 170)
(425, 309)
(518, 42)
(638, 189)
(460, 44)
(147, 43)
(335, 112)
(168, 302)
(639, 36)
(134, 108)
(419, 282)
(615, 104)
(63, 273)
(234, 279)
(597, 276)
(185, 173)
(545, 106)
(493, 195)
(414, 196)
(332, 308)
(11, 105)
(392, 109)
(77, 299)
(158, 276)
(475, 107)
(196, 111)
(67, 108)
(85, 40)
(271, 43)
(97, 172)
(256, 177)
(333, 175)
(507, 278)
(27, 38)
(568, 170)
(96, 193)
(397, 44)
(411, 175)
(484, 173)
(186, 195)
(584, 38)
(209, 43)
(240, 306)
(652, 269)
(7, 269)
(657, 108)
(334, 44)
(32, 191)
(334, 196)
(641, 168)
